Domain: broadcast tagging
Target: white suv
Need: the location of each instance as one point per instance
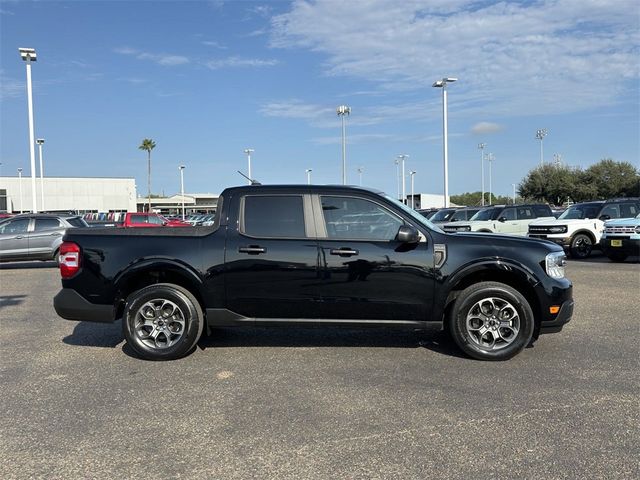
(580, 227)
(510, 219)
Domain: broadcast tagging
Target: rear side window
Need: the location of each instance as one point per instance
(138, 219)
(46, 224)
(525, 213)
(542, 211)
(76, 222)
(279, 216)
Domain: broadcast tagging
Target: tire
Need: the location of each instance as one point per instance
(481, 334)
(581, 246)
(55, 256)
(617, 257)
(162, 322)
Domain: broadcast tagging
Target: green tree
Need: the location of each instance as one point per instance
(550, 183)
(148, 145)
(613, 179)
(473, 199)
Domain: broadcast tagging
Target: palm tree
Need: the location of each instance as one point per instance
(148, 145)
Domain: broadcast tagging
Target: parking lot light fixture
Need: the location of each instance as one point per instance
(514, 193)
(29, 55)
(481, 147)
(249, 151)
(445, 149)
(397, 162)
(40, 142)
(181, 168)
(540, 134)
(360, 171)
(343, 110)
(20, 186)
(308, 171)
(490, 157)
(402, 157)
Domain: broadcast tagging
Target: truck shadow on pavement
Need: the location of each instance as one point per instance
(89, 334)
(308, 337)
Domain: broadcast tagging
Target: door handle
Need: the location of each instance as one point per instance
(19, 237)
(344, 252)
(55, 234)
(252, 250)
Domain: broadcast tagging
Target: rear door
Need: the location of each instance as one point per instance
(45, 236)
(271, 257)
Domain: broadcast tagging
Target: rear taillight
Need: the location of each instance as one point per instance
(69, 259)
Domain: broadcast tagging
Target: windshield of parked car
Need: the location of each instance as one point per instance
(487, 214)
(442, 215)
(581, 211)
(461, 215)
(420, 219)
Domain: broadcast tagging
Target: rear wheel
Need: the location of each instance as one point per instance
(491, 321)
(162, 321)
(581, 246)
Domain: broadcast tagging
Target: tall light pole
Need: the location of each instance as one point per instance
(540, 134)
(481, 147)
(249, 151)
(181, 168)
(445, 148)
(309, 170)
(397, 162)
(29, 55)
(413, 198)
(40, 142)
(402, 158)
(514, 193)
(343, 110)
(360, 170)
(490, 158)
(20, 186)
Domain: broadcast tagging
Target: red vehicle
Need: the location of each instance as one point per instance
(140, 219)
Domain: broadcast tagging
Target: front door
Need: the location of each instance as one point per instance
(367, 274)
(271, 257)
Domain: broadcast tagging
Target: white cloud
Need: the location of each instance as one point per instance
(549, 56)
(11, 88)
(163, 59)
(239, 62)
(210, 43)
(356, 138)
(482, 128)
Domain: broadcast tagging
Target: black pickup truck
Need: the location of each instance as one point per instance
(314, 255)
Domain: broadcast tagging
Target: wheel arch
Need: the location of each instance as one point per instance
(587, 232)
(150, 272)
(514, 275)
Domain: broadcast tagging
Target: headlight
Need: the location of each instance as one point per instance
(555, 263)
(466, 228)
(637, 229)
(559, 229)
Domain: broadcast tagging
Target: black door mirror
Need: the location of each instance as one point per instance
(604, 218)
(502, 219)
(408, 234)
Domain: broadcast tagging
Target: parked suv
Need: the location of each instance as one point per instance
(511, 219)
(580, 227)
(34, 236)
(621, 238)
(463, 214)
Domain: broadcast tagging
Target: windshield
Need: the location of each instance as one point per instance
(413, 214)
(486, 214)
(461, 215)
(442, 215)
(581, 211)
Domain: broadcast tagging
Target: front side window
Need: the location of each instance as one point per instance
(508, 214)
(138, 219)
(542, 211)
(273, 216)
(486, 214)
(612, 211)
(156, 220)
(357, 218)
(13, 227)
(628, 210)
(46, 224)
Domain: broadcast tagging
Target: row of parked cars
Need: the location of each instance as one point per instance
(612, 225)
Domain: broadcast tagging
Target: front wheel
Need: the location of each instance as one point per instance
(581, 246)
(162, 321)
(491, 321)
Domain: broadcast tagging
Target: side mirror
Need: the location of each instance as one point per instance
(453, 220)
(604, 218)
(502, 219)
(164, 224)
(408, 234)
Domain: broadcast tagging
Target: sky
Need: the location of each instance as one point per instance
(207, 79)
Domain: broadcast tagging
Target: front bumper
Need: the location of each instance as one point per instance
(558, 239)
(561, 319)
(70, 305)
(627, 246)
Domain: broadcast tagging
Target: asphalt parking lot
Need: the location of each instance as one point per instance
(320, 403)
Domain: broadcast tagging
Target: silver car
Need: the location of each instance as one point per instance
(34, 236)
